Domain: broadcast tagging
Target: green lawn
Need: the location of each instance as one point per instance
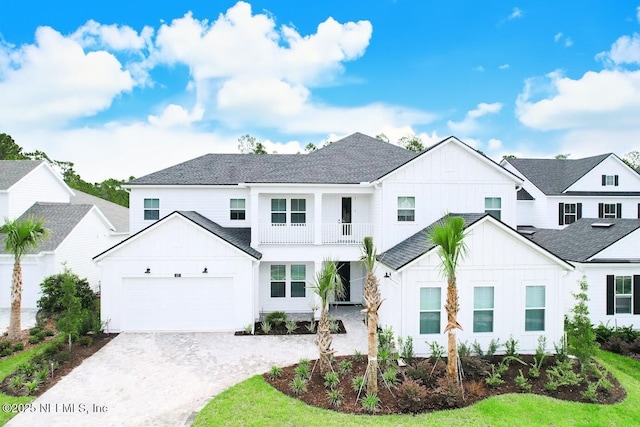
(255, 403)
(7, 366)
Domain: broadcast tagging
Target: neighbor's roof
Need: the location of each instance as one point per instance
(419, 244)
(117, 215)
(351, 160)
(12, 171)
(59, 218)
(581, 241)
(553, 176)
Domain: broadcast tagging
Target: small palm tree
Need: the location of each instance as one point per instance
(372, 303)
(449, 237)
(327, 284)
(21, 235)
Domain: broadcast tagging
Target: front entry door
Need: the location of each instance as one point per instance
(344, 269)
(346, 216)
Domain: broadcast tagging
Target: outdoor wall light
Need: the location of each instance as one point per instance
(387, 275)
(147, 271)
(205, 271)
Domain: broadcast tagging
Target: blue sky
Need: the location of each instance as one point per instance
(121, 88)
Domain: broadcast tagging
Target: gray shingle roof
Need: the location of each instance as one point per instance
(351, 160)
(553, 176)
(523, 194)
(12, 171)
(419, 244)
(59, 218)
(580, 240)
(117, 215)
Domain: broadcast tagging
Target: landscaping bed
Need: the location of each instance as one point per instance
(279, 323)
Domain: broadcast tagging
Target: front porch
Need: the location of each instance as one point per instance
(335, 234)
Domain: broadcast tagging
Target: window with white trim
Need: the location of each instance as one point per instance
(483, 309)
(534, 308)
(406, 209)
(493, 206)
(624, 295)
(238, 209)
(608, 180)
(610, 210)
(151, 209)
(570, 213)
(278, 281)
(298, 211)
(298, 281)
(430, 309)
(278, 211)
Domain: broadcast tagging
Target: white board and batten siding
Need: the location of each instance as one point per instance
(220, 299)
(495, 259)
(34, 269)
(628, 180)
(40, 185)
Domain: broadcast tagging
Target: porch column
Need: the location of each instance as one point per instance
(254, 214)
(317, 302)
(317, 209)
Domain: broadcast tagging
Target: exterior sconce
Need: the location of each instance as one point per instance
(387, 275)
(205, 271)
(147, 271)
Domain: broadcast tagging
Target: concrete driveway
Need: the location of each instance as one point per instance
(164, 379)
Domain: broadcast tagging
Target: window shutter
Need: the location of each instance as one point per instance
(604, 180)
(619, 210)
(616, 180)
(600, 210)
(636, 294)
(579, 210)
(638, 210)
(560, 213)
(611, 298)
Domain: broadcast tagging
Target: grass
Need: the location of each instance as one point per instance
(255, 403)
(7, 366)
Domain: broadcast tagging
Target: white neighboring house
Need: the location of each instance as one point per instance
(557, 192)
(222, 238)
(77, 227)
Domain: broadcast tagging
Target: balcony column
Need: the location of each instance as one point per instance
(254, 214)
(317, 214)
(317, 302)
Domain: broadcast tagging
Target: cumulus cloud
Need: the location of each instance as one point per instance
(470, 122)
(176, 115)
(494, 144)
(566, 40)
(625, 50)
(503, 66)
(516, 14)
(115, 37)
(479, 68)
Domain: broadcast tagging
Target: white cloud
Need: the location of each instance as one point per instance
(470, 122)
(557, 37)
(516, 13)
(494, 144)
(503, 66)
(625, 50)
(54, 80)
(638, 13)
(479, 68)
(176, 115)
(93, 34)
(566, 40)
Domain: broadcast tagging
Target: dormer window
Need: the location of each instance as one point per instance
(610, 180)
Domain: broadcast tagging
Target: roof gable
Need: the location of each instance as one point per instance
(12, 171)
(118, 216)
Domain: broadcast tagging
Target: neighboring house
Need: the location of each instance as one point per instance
(220, 239)
(78, 228)
(607, 253)
(558, 192)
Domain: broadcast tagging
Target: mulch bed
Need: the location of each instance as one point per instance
(302, 328)
(475, 387)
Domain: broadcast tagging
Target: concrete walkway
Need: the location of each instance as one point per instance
(164, 379)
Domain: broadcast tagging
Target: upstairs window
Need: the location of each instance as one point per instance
(493, 206)
(609, 210)
(151, 209)
(535, 308)
(278, 211)
(406, 209)
(430, 304)
(569, 213)
(610, 180)
(298, 211)
(238, 210)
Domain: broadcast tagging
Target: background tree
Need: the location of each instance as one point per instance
(310, 147)
(248, 144)
(382, 137)
(632, 159)
(449, 237)
(9, 150)
(20, 237)
(411, 143)
(562, 156)
(328, 284)
(509, 156)
(372, 303)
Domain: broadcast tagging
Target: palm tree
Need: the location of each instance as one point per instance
(21, 235)
(328, 284)
(449, 237)
(372, 303)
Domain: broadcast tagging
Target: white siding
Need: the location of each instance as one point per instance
(40, 185)
(4, 204)
(34, 269)
(287, 304)
(628, 180)
(625, 248)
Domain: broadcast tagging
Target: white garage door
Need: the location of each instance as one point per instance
(177, 304)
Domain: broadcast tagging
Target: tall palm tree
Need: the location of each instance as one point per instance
(372, 303)
(449, 237)
(21, 235)
(327, 284)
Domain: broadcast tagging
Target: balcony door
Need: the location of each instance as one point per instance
(346, 216)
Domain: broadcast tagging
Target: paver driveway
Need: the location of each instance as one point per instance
(162, 379)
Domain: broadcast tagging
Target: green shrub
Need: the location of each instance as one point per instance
(331, 380)
(371, 403)
(345, 367)
(275, 372)
(302, 371)
(18, 347)
(335, 397)
(494, 378)
(511, 347)
(6, 352)
(406, 349)
(299, 385)
(34, 331)
(580, 334)
(522, 382)
(276, 318)
(266, 327)
(591, 393)
(291, 326)
(51, 302)
(357, 383)
(357, 356)
(464, 350)
(35, 339)
(86, 341)
(4, 345)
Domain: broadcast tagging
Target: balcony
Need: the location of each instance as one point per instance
(304, 234)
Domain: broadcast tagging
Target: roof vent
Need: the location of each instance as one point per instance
(602, 224)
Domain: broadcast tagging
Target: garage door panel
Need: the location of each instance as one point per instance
(178, 304)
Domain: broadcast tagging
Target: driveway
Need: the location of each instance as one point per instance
(164, 379)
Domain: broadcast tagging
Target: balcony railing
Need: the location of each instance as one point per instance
(334, 234)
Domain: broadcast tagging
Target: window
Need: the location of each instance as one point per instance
(406, 209)
(430, 304)
(483, 309)
(278, 279)
(534, 311)
(278, 211)
(238, 210)
(610, 180)
(623, 295)
(151, 209)
(493, 206)
(609, 210)
(298, 284)
(570, 213)
(298, 211)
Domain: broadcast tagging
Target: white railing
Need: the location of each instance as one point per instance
(286, 233)
(345, 234)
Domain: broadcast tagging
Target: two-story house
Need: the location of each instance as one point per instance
(77, 227)
(222, 238)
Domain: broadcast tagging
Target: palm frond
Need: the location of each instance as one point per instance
(328, 282)
(369, 254)
(23, 234)
(449, 237)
